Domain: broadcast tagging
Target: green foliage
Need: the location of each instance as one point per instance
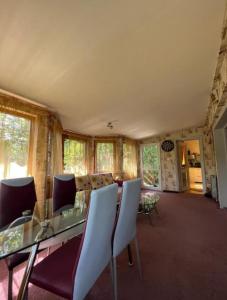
(151, 164)
(14, 139)
(75, 157)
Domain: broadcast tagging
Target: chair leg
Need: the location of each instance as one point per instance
(26, 294)
(114, 265)
(130, 260)
(138, 258)
(111, 272)
(10, 285)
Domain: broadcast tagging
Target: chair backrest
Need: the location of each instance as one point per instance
(125, 230)
(64, 190)
(96, 249)
(16, 196)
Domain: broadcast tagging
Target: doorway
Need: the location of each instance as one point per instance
(150, 166)
(190, 161)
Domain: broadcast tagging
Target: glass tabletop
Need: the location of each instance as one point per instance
(148, 202)
(43, 224)
(149, 198)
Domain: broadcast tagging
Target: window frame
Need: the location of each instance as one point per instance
(31, 118)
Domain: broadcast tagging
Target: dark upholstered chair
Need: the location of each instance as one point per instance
(125, 231)
(64, 191)
(81, 260)
(16, 196)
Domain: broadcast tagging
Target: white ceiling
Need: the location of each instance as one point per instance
(149, 64)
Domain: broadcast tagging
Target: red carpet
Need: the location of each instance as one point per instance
(184, 256)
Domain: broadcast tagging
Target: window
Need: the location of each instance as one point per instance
(150, 165)
(75, 157)
(129, 160)
(14, 145)
(104, 157)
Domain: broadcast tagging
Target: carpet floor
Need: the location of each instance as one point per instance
(184, 256)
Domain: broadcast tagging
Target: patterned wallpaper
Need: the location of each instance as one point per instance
(218, 96)
(169, 169)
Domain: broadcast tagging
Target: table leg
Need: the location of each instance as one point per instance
(27, 272)
(150, 218)
(156, 210)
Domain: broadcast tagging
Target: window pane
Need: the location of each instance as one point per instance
(104, 157)
(14, 146)
(151, 165)
(75, 157)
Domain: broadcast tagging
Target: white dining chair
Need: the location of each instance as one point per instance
(72, 270)
(125, 231)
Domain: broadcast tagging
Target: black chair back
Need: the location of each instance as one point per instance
(64, 191)
(16, 196)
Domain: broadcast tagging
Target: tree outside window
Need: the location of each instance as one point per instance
(14, 145)
(104, 157)
(75, 157)
(151, 165)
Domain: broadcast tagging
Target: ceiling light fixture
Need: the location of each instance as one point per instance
(110, 125)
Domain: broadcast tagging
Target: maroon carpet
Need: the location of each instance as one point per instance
(184, 256)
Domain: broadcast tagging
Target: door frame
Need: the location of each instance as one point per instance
(200, 139)
(159, 188)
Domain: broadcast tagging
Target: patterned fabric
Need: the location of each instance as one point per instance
(107, 178)
(96, 181)
(83, 183)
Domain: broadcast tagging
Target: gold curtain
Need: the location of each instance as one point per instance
(118, 162)
(56, 146)
(54, 152)
(129, 159)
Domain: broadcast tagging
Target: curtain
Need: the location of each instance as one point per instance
(129, 159)
(118, 163)
(55, 147)
(54, 152)
(105, 156)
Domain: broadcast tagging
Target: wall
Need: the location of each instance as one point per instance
(169, 168)
(217, 116)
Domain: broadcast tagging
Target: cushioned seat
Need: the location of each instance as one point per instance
(58, 271)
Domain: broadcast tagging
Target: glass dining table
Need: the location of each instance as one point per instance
(43, 229)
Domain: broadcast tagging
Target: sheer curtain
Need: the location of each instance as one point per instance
(129, 159)
(55, 147)
(105, 156)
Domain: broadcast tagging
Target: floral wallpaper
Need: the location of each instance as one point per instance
(218, 96)
(169, 167)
